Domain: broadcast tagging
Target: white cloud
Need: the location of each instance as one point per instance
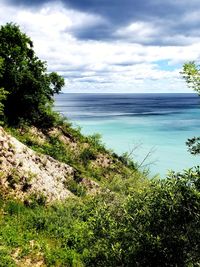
(140, 31)
(119, 66)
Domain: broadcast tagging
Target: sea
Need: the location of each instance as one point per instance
(150, 128)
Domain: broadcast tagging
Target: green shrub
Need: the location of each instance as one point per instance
(156, 225)
(96, 142)
(88, 154)
(76, 188)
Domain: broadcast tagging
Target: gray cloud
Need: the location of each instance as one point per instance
(174, 21)
(123, 11)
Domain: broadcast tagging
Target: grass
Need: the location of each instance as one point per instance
(56, 235)
(68, 145)
(157, 225)
(134, 221)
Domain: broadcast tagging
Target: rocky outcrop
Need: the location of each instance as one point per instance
(25, 172)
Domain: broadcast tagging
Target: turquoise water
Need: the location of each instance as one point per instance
(156, 125)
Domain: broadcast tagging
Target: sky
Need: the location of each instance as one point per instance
(106, 46)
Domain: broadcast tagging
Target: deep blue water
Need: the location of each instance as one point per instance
(160, 123)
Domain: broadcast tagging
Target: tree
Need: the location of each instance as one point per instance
(194, 145)
(25, 77)
(3, 95)
(191, 73)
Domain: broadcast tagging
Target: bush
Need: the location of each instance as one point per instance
(88, 154)
(155, 226)
(163, 223)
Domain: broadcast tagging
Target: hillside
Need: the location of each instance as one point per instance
(75, 165)
(66, 200)
(33, 180)
(90, 207)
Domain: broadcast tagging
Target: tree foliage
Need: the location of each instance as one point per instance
(194, 145)
(25, 77)
(191, 73)
(3, 95)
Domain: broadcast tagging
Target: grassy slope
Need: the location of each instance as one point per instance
(137, 222)
(87, 155)
(37, 234)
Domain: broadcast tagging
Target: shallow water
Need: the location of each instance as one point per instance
(158, 124)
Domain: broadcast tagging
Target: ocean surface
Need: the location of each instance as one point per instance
(153, 128)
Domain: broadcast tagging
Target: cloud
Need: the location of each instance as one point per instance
(175, 22)
(111, 45)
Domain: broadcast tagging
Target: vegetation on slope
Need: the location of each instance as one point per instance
(156, 226)
(87, 155)
(132, 221)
